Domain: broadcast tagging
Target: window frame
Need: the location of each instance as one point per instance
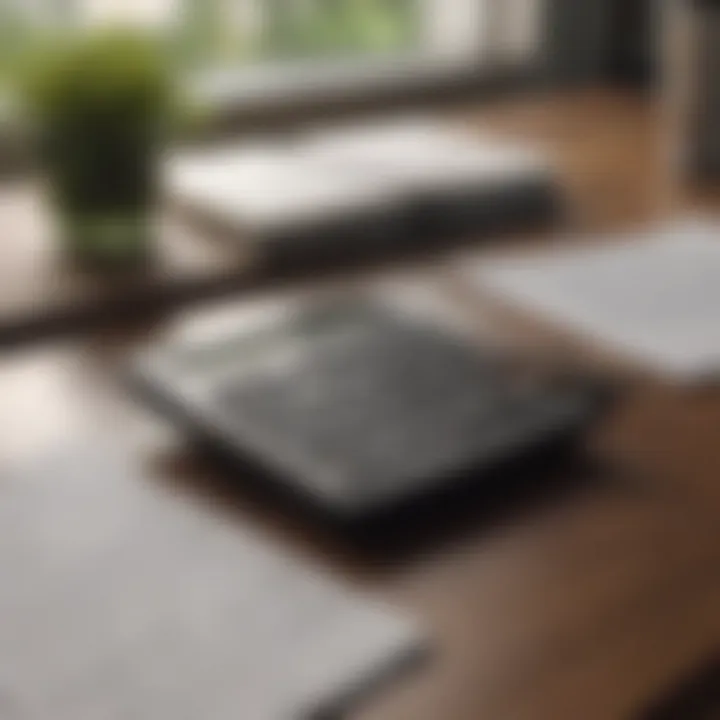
(276, 93)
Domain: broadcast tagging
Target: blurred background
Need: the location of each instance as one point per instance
(536, 178)
(221, 33)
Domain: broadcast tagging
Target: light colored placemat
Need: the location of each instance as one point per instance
(122, 600)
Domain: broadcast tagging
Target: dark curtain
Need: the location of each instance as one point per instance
(632, 42)
(590, 41)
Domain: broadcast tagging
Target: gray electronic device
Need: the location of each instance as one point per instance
(358, 411)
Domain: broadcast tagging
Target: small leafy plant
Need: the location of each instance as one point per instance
(101, 106)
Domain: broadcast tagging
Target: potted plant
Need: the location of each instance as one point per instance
(100, 106)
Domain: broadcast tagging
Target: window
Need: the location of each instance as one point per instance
(219, 31)
(224, 39)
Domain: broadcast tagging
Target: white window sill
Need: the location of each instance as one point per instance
(281, 82)
(302, 84)
(269, 92)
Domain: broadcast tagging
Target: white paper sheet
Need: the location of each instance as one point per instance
(655, 297)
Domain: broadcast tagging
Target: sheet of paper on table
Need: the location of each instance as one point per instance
(653, 296)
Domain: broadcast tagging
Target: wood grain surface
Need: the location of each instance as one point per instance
(588, 602)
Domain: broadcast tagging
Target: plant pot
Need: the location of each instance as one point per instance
(104, 194)
(111, 241)
(102, 182)
(99, 106)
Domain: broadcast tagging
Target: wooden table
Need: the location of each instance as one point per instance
(587, 603)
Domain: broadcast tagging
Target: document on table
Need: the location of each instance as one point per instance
(654, 297)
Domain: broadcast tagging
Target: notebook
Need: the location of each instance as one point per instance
(360, 190)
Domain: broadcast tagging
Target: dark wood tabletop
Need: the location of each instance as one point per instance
(590, 598)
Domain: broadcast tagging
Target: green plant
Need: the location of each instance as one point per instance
(101, 106)
(339, 27)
